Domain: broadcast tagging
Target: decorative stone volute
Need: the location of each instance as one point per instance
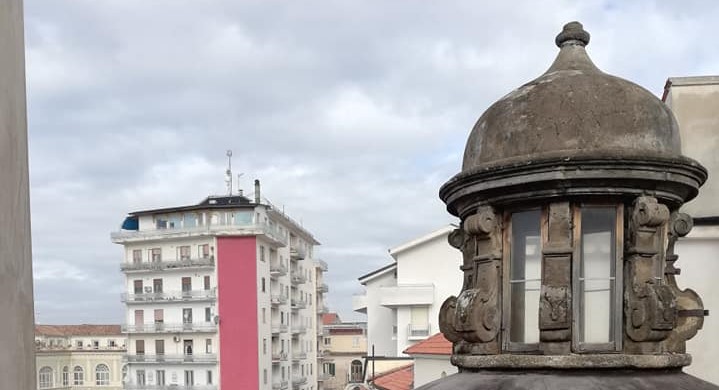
(568, 199)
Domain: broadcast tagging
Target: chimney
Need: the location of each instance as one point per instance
(257, 191)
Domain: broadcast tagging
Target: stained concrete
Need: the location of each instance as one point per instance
(17, 358)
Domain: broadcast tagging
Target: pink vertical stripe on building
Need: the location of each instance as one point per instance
(237, 299)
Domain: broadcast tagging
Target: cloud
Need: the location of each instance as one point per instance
(352, 114)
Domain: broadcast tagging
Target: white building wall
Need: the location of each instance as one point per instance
(428, 368)
(380, 319)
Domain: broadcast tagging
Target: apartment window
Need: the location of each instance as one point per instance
(137, 286)
(283, 373)
(183, 252)
(206, 281)
(189, 378)
(262, 253)
(524, 279)
(141, 380)
(263, 284)
(209, 377)
(78, 344)
(65, 376)
(137, 256)
(161, 223)
(187, 347)
(159, 347)
(264, 375)
(157, 286)
(419, 322)
(160, 377)
(355, 371)
(203, 251)
(112, 343)
(95, 344)
(102, 375)
(264, 316)
(139, 317)
(78, 376)
(208, 314)
(328, 341)
(187, 316)
(264, 346)
(186, 284)
(208, 345)
(156, 255)
(159, 316)
(139, 347)
(329, 369)
(596, 267)
(45, 378)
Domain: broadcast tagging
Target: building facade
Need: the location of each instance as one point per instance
(342, 348)
(402, 300)
(221, 294)
(79, 356)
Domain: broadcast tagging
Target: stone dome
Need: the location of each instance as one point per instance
(573, 109)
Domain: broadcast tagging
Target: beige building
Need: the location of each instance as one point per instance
(79, 357)
(342, 350)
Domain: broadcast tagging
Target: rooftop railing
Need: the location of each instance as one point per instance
(172, 359)
(246, 229)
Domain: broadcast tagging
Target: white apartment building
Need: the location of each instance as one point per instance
(80, 357)
(402, 299)
(224, 294)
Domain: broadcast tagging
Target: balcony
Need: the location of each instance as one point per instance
(170, 328)
(182, 296)
(128, 386)
(279, 357)
(277, 270)
(281, 385)
(296, 329)
(161, 265)
(298, 381)
(297, 253)
(260, 229)
(298, 278)
(407, 295)
(172, 359)
(359, 303)
(299, 356)
(322, 309)
(321, 264)
(418, 332)
(323, 288)
(278, 299)
(298, 304)
(279, 328)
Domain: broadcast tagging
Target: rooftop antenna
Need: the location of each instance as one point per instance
(228, 173)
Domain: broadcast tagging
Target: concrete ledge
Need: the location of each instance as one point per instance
(572, 362)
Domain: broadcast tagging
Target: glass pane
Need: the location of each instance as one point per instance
(597, 274)
(525, 277)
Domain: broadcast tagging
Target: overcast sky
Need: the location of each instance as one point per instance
(351, 113)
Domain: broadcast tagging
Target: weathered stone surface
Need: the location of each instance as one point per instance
(570, 380)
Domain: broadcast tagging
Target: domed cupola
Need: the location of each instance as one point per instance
(568, 199)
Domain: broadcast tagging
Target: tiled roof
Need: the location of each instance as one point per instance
(435, 345)
(400, 378)
(330, 318)
(78, 330)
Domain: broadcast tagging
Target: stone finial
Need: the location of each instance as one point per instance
(572, 32)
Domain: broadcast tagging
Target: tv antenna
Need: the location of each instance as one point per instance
(228, 173)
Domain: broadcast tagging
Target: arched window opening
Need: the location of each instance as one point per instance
(45, 378)
(78, 376)
(102, 375)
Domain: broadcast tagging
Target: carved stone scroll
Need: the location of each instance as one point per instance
(472, 320)
(688, 301)
(649, 305)
(555, 314)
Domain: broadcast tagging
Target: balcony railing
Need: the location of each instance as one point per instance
(172, 359)
(297, 253)
(298, 278)
(278, 270)
(299, 380)
(169, 328)
(194, 295)
(277, 328)
(279, 356)
(281, 385)
(417, 332)
(299, 355)
(323, 288)
(298, 304)
(322, 309)
(145, 266)
(278, 299)
(128, 386)
(180, 232)
(407, 295)
(299, 329)
(321, 264)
